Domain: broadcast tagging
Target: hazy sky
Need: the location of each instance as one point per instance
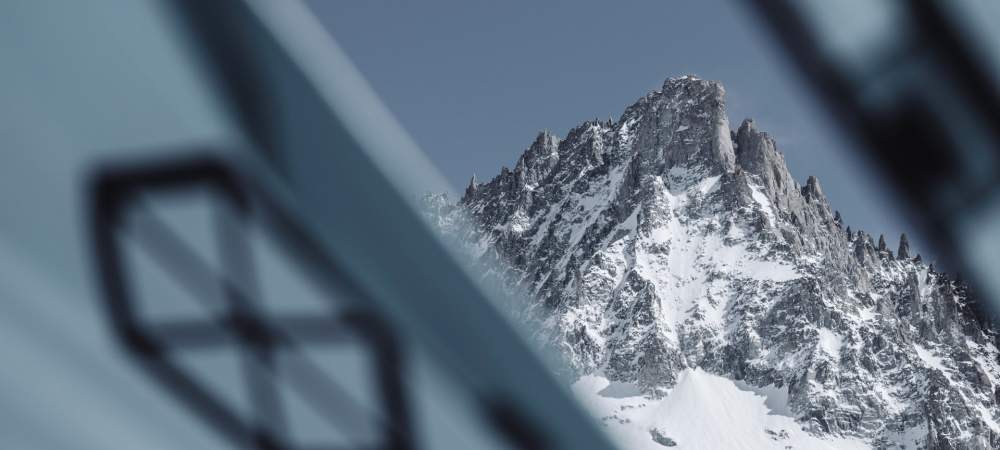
(474, 81)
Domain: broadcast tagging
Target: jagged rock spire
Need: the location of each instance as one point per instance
(863, 250)
(470, 190)
(538, 160)
(904, 247)
(850, 234)
(837, 220)
(882, 246)
(756, 154)
(812, 191)
(690, 103)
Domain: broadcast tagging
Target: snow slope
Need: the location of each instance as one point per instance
(701, 412)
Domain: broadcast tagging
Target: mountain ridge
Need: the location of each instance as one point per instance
(666, 241)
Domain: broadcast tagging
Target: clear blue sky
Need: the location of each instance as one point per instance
(473, 81)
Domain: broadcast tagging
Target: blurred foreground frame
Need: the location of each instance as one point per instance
(918, 84)
(243, 327)
(320, 163)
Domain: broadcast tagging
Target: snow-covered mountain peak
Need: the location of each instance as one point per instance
(666, 242)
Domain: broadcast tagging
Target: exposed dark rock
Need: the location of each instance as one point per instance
(661, 439)
(470, 190)
(904, 247)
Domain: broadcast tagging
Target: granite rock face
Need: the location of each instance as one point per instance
(666, 240)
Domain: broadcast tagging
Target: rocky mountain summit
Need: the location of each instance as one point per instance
(665, 241)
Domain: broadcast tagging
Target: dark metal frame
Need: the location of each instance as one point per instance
(117, 191)
(905, 131)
